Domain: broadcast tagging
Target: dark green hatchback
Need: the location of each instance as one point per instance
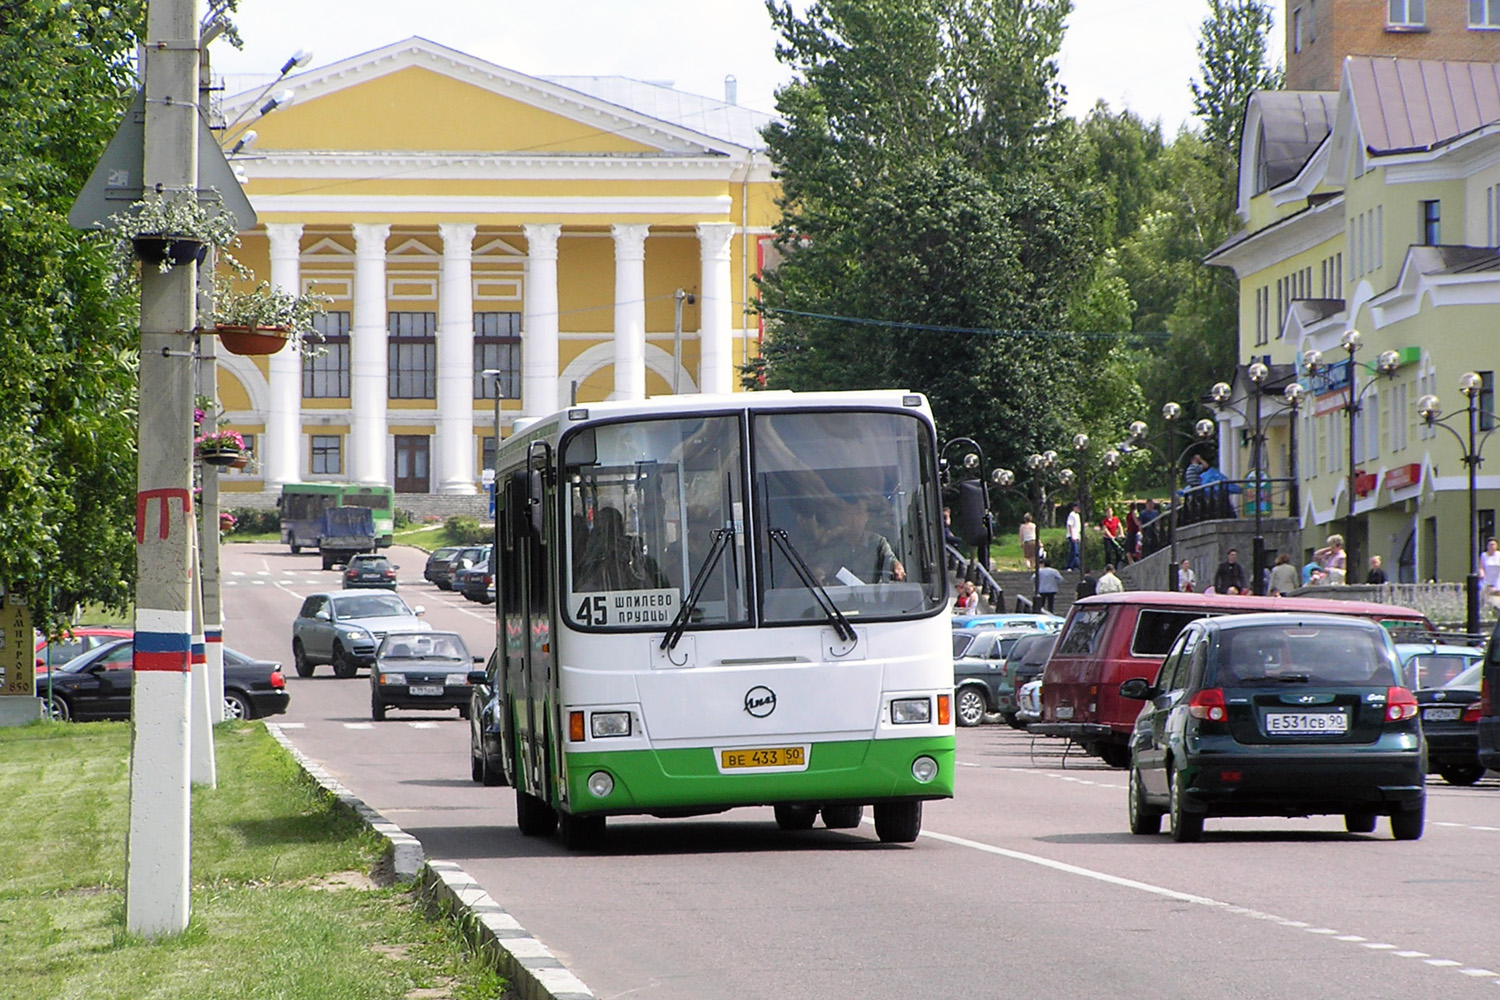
(1277, 715)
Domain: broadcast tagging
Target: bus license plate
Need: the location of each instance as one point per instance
(1306, 723)
(764, 758)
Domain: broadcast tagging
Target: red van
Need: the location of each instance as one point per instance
(1111, 638)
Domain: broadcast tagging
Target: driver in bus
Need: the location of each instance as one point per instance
(613, 560)
(852, 555)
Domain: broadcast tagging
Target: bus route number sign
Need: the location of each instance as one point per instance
(625, 607)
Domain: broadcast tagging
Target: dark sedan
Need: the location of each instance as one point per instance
(1276, 715)
(444, 574)
(486, 731)
(436, 570)
(364, 571)
(477, 583)
(97, 685)
(422, 671)
(1450, 722)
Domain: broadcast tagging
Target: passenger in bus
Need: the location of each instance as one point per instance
(851, 554)
(613, 560)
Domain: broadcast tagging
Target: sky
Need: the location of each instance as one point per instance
(1139, 54)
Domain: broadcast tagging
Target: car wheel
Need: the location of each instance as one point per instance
(342, 665)
(57, 708)
(791, 816)
(463, 711)
(971, 706)
(842, 817)
(237, 706)
(1014, 721)
(476, 767)
(305, 667)
(580, 832)
(1187, 827)
(327, 561)
(1408, 825)
(1359, 822)
(534, 818)
(1145, 819)
(443, 585)
(377, 709)
(1461, 774)
(898, 822)
(1114, 754)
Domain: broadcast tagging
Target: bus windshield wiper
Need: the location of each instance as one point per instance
(830, 610)
(722, 539)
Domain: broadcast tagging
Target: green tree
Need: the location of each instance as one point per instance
(926, 240)
(69, 344)
(1233, 65)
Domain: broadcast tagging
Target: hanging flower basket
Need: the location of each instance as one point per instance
(220, 448)
(251, 341)
(170, 249)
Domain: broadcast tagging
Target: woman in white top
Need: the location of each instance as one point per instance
(1489, 569)
(1334, 559)
(1028, 540)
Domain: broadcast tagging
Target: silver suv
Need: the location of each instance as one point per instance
(343, 629)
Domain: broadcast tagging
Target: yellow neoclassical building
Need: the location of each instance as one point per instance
(588, 238)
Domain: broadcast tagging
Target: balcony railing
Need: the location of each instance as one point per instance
(1219, 501)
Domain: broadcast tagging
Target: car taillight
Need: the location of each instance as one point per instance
(352, 574)
(390, 574)
(1209, 704)
(1471, 713)
(1399, 704)
(277, 680)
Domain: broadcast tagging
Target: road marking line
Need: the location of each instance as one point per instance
(359, 725)
(292, 725)
(423, 725)
(1410, 954)
(1380, 947)
(1478, 973)
(1355, 938)
(1442, 963)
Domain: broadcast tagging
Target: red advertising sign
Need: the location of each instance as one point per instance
(1403, 475)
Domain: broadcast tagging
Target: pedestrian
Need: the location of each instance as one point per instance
(1109, 583)
(968, 599)
(1192, 476)
(1027, 534)
(1334, 560)
(1114, 534)
(1376, 574)
(1048, 579)
(1075, 538)
(1187, 580)
(1284, 577)
(949, 538)
(1133, 532)
(1151, 513)
(1087, 586)
(1229, 578)
(1489, 570)
(1312, 574)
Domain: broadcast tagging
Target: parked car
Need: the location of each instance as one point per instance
(1027, 659)
(1450, 722)
(1050, 623)
(343, 629)
(364, 571)
(1110, 638)
(1487, 729)
(1276, 715)
(486, 706)
(436, 570)
(97, 685)
(1432, 664)
(1029, 702)
(477, 582)
(461, 559)
(421, 670)
(75, 642)
(980, 683)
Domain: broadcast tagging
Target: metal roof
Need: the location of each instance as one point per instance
(1293, 124)
(1418, 104)
(710, 116)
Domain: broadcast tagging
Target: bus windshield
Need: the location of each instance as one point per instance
(850, 496)
(653, 506)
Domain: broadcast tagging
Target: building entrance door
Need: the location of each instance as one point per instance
(413, 452)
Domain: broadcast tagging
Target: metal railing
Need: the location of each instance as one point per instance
(971, 571)
(1228, 498)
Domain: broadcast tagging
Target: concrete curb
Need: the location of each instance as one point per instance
(534, 972)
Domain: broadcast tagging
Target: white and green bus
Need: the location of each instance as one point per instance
(706, 602)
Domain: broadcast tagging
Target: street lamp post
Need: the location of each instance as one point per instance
(1203, 429)
(1386, 364)
(1470, 384)
(977, 526)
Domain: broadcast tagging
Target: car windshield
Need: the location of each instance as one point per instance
(428, 646)
(371, 606)
(1467, 679)
(1435, 669)
(1302, 653)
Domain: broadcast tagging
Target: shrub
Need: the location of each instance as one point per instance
(254, 521)
(404, 518)
(463, 530)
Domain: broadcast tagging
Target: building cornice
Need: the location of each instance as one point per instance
(702, 208)
(323, 165)
(1311, 227)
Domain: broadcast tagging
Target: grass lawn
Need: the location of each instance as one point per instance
(281, 903)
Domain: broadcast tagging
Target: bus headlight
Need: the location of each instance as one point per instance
(601, 784)
(911, 711)
(924, 769)
(609, 724)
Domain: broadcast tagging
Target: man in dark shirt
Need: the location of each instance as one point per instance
(1229, 578)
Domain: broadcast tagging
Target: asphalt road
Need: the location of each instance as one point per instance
(1025, 885)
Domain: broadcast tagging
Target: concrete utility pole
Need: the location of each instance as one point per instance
(208, 524)
(158, 862)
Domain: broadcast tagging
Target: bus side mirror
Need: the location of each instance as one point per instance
(973, 519)
(535, 506)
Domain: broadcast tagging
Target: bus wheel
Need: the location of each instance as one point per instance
(842, 817)
(534, 818)
(292, 541)
(795, 817)
(898, 822)
(580, 832)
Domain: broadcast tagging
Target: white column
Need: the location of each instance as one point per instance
(630, 311)
(539, 388)
(367, 358)
(281, 452)
(715, 340)
(455, 360)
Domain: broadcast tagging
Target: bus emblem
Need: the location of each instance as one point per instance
(760, 701)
